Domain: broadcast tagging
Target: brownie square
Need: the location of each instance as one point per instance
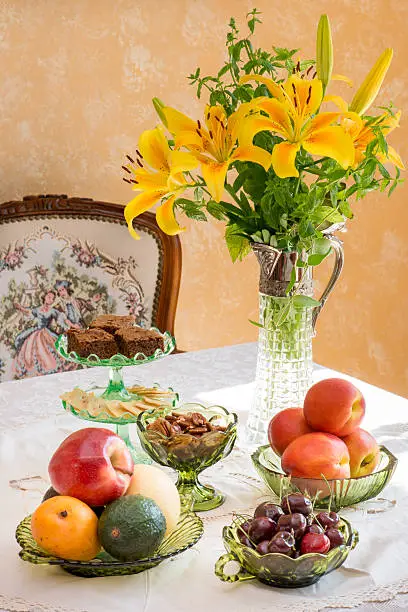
(91, 341)
(112, 323)
(132, 340)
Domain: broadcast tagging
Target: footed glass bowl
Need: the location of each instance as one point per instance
(190, 455)
(279, 570)
(334, 493)
(187, 533)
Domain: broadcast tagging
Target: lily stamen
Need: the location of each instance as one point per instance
(298, 67)
(309, 95)
(126, 169)
(139, 154)
(130, 159)
(139, 163)
(199, 124)
(126, 180)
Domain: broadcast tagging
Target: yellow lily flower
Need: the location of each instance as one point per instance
(158, 173)
(362, 133)
(291, 115)
(214, 143)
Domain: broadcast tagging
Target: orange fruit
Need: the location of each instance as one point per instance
(66, 527)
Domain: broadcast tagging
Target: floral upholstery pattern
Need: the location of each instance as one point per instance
(57, 274)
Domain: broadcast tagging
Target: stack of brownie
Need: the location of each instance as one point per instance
(111, 334)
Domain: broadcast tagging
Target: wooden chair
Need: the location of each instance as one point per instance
(65, 260)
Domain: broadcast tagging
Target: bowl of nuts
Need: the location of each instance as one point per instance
(189, 440)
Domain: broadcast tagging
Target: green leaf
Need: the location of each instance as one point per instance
(238, 246)
(292, 280)
(345, 209)
(304, 301)
(256, 323)
(215, 209)
(316, 258)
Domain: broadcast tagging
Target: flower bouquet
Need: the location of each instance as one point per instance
(278, 157)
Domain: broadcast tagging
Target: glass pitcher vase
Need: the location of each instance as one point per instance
(284, 363)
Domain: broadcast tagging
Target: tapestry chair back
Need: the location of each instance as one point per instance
(65, 260)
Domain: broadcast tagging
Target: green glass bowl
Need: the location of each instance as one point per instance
(190, 455)
(338, 493)
(116, 361)
(279, 570)
(187, 533)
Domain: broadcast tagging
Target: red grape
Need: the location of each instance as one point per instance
(262, 547)
(283, 542)
(327, 519)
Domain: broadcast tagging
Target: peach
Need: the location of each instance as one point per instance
(317, 455)
(285, 427)
(93, 465)
(334, 406)
(364, 452)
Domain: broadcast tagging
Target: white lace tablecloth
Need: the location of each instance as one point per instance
(33, 423)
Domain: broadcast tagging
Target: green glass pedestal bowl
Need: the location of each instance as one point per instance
(280, 570)
(190, 455)
(334, 493)
(187, 533)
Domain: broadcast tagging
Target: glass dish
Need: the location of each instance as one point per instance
(336, 493)
(121, 423)
(116, 388)
(279, 570)
(187, 533)
(190, 455)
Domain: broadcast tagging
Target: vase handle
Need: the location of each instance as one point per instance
(337, 247)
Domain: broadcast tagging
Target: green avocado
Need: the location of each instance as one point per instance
(131, 528)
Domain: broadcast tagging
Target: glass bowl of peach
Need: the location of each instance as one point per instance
(322, 451)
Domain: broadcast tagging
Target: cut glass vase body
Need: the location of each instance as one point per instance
(284, 363)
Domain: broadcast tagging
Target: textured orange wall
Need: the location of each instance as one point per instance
(77, 79)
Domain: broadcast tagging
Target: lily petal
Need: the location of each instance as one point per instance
(181, 161)
(189, 139)
(148, 180)
(338, 101)
(258, 123)
(394, 158)
(341, 77)
(252, 154)
(331, 142)
(138, 205)
(322, 120)
(177, 121)
(155, 149)
(306, 95)
(283, 159)
(273, 88)
(214, 174)
(166, 220)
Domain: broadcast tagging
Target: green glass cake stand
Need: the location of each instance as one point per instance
(115, 389)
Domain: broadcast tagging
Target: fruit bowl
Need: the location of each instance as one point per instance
(279, 570)
(190, 455)
(187, 533)
(336, 493)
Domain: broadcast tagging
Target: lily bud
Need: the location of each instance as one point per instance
(324, 51)
(371, 85)
(158, 106)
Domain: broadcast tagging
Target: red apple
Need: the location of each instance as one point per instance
(335, 406)
(364, 452)
(285, 427)
(317, 455)
(93, 465)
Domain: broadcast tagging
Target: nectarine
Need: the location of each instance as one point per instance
(335, 406)
(285, 427)
(317, 455)
(364, 452)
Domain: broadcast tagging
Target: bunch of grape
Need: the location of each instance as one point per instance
(291, 529)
